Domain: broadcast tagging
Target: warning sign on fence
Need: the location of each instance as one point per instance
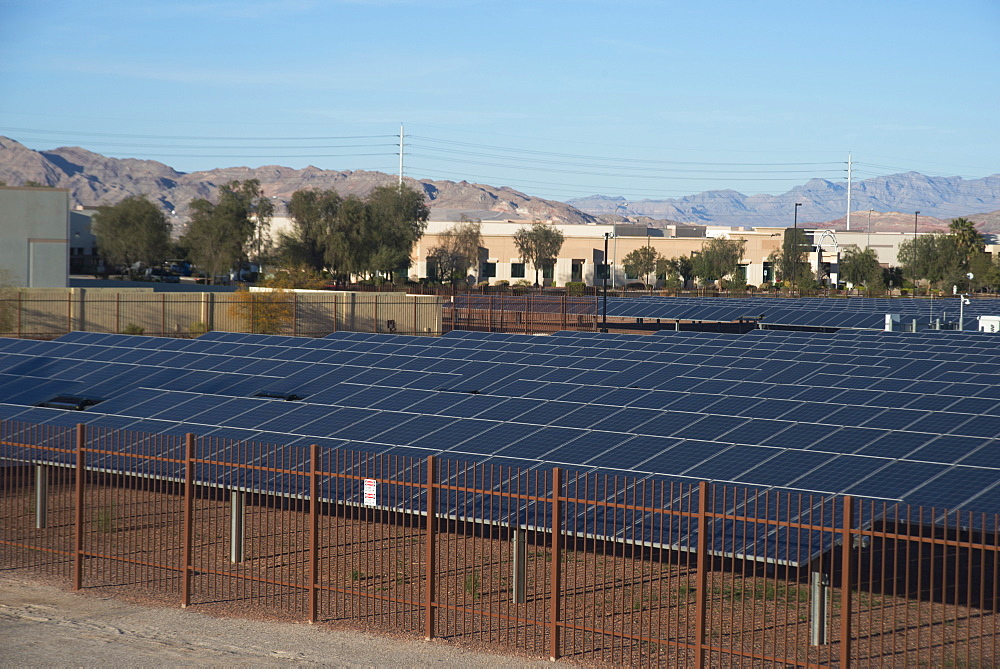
(371, 495)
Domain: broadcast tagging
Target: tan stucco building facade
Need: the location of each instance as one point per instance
(583, 250)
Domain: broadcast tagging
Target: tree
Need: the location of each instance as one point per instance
(680, 266)
(985, 272)
(791, 263)
(860, 267)
(967, 238)
(718, 258)
(133, 231)
(641, 261)
(397, 217)
(222, 236)
(264, 312)
(354, 236)
(539, 244)
(935, 258)
(314, 215)
(260, 210)
(457, 250)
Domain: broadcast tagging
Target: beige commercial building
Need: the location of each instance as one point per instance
(583, 249)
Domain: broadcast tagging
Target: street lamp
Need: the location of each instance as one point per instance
(795, 240)
(604, 276)
(869, 245)
(915, 214)
(614, 277)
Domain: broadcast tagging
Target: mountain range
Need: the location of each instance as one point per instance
(93, 179)
(822, 201)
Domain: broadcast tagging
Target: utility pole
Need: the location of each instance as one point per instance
(915, 215)
(400, 186)
(848, 192)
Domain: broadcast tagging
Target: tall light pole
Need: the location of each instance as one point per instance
(614, 277)
(795, 240)
(915, 215)
(869, 245)
(604, 275)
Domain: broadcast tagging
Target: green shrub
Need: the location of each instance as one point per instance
(133, 329)
(472, 584)
(575, 288)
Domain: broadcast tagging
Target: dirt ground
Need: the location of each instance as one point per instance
(42, 625)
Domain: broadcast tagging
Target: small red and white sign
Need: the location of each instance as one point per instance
(371, 492)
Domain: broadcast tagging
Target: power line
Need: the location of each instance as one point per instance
(75, 133)
(629, 160)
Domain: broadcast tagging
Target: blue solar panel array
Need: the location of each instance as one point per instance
(816, 312)
(900, 417)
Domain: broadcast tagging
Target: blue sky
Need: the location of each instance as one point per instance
(556, 99)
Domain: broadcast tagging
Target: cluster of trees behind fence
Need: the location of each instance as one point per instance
(373, 237)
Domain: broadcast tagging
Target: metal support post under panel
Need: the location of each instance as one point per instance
(519, 567)
(237, 501)
(819, 590)
(41, 497)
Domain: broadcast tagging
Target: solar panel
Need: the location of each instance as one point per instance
(860, 412)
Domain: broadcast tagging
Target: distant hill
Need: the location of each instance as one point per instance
(93, 179)
(822, 201)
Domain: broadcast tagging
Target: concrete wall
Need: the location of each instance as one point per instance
(34, 235)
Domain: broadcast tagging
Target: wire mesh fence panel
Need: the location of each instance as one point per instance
(371, 547)
(37, 503)
(251, 525)
(594, 566)
(926, 588)
(491, 582)
(627, 590)
(132, 514)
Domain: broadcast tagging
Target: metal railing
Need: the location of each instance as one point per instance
(595, 567)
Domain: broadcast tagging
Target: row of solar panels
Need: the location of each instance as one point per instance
(574, 399)
(864, 313)
(856, 313)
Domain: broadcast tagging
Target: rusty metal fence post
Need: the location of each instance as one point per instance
(846, 581)
(187, 536)
(556, 574)
(313, 532)
(81, 479)
(431, 550)
(702, 565)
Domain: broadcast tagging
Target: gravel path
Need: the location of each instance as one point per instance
(41, 625)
